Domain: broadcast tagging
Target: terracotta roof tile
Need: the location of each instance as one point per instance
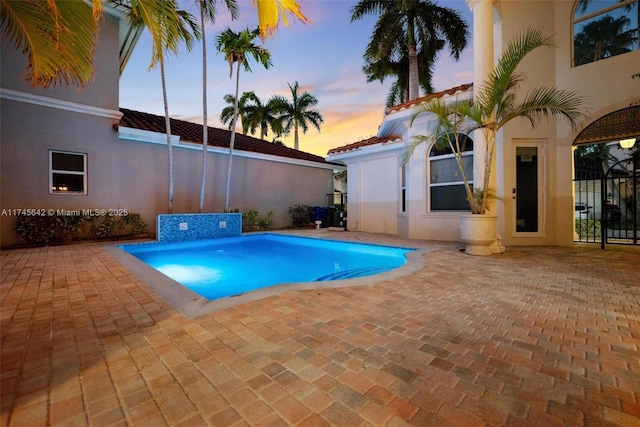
(365, 142)
(192, 132)
(428, 97)
(375, 140)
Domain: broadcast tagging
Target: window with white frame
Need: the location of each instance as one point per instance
(604, 28)
(67, 172)
(446, 186)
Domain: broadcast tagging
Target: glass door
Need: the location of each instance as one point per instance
(528, 190)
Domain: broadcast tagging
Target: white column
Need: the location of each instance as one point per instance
(482, 67)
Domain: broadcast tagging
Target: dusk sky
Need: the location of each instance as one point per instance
(325, 57)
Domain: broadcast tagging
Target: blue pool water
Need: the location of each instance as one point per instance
(224, 267)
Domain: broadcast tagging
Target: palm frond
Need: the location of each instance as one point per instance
(504, 78)
(547, 102)
(270, 11)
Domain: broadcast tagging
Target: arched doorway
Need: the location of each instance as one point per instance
(607, 179)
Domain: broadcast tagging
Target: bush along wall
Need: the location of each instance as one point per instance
(48, 230)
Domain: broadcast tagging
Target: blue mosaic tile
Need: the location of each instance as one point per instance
(184, 227)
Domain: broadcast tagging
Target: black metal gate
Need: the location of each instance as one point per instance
(607, 210)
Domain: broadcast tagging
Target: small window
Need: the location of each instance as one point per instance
(67, 173)
(605, 28)
(446, 186)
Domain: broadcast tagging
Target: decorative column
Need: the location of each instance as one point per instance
(482, 66)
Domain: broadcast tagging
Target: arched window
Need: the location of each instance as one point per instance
(446, 188)
(604, 28)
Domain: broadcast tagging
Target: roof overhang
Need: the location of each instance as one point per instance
(620, 124)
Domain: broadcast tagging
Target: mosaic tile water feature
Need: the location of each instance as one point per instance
(183, 227)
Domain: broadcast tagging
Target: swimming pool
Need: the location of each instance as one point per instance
(219, 268)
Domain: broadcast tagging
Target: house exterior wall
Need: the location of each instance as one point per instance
(372, 186)
(131, 175)
(607, 86)
(100, 91)
(125, 174)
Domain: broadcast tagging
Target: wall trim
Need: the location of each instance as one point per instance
(139, 135)
(46, 101)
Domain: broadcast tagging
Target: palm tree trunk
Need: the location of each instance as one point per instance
(295, 135)
(167, 122)
(205, 129)
(232, 140)
(414, 92)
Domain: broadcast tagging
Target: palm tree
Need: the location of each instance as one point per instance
(493, 108)
(424, 27)
(169, 31)
(236, 48)
(298, 112)
(263, 115)
(226, 116)
(208, 13)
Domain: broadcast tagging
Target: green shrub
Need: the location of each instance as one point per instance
(252, 219)
(300, 215)
(587, 228)
(45, 230)
(48, 229)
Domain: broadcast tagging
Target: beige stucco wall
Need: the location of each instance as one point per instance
(134, 175)
(100, 91)
(607, 86)
(123, 174)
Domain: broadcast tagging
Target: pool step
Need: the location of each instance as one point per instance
(353, 273)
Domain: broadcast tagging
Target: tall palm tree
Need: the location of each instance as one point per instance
(495, 106)
(208, 13)
(424, 27)
(264, 116)
(226, 116)
(169, 31)
(237, 47)
(298, 112)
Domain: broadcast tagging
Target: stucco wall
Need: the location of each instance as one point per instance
(100, 91)
(133, 175)
(373, 186)
(607, 86)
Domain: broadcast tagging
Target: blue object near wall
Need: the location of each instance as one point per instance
(184, 227)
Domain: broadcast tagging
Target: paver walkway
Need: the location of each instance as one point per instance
(543, 336)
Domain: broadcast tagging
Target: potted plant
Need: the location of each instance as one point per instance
(494, 105)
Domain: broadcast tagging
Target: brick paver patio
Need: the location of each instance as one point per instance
(543, 336)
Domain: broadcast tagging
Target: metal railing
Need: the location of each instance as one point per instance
(607, 210)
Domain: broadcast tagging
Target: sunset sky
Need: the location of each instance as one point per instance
(324, 57)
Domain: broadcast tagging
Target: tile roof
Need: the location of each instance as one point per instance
(376, 140)
(192, 132)
(369, 141)
(428, 97)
